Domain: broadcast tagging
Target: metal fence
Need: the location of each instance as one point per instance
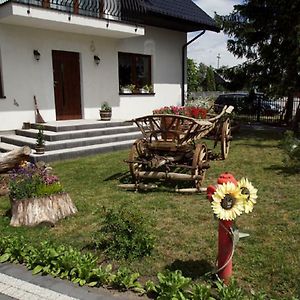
(125, 10)
(271, 112)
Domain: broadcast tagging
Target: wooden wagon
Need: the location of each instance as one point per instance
(172, 149)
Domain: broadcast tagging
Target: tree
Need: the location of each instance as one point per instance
(210, 80)
(202, 71)
(192, 76)
(267, 34)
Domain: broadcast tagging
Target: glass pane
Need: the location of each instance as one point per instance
(142, 71)
(125, 69)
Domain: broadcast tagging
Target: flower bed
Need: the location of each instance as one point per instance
(188, 111)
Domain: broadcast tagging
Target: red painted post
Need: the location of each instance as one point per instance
(225, 242)
(225, 248)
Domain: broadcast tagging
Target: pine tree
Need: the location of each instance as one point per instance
(267, 34)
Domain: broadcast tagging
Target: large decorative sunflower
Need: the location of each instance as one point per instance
(249, 194)
(228, 202)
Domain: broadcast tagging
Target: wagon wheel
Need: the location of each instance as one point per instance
(137, 149)
(200, 163)
(225, 138)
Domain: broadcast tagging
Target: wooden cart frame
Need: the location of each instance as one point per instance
(171, 147)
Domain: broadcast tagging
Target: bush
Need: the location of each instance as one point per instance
(124, 235)
(291, 146)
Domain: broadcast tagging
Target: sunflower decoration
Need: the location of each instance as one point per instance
(249, 194)
(228, 202)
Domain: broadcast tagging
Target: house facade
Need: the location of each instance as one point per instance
(68, 57)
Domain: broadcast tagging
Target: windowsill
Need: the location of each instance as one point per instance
(137, 94)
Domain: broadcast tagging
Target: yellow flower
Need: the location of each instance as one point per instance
(249, 193)
(227, 201)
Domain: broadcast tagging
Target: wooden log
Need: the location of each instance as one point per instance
(11, 159)
(191, 190)
(171, 176)
(140, 186)
(49, 209)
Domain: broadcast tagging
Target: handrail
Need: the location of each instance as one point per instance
(119, 10)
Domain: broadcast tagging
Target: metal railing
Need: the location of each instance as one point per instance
(272, 112)
(119, 10)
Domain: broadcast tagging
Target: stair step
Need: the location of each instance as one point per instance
(75, 134)
(4, 147)
(70, 143)
(76, 125)
(64, 140)
(81, 151)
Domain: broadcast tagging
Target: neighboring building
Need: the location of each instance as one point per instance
(74, 55)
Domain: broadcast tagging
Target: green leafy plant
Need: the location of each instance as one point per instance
(124, 279)
(172, 285)
(105, 106)
(291, 146)
(230, 292)
(201, 292)
(66, 263)
(148, 88)
(80, 267)
(30, 180)
(40, 138)
(124, 234)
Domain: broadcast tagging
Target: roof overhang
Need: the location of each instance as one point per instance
(38, 17)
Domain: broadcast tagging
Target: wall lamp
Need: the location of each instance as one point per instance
(96, 59)
(36, 54)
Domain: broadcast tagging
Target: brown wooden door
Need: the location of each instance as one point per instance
(66, 74)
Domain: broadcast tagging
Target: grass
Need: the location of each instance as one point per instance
(185, 230)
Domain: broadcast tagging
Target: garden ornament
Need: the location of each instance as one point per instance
(229, 199)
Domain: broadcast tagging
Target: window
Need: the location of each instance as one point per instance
(135, 70)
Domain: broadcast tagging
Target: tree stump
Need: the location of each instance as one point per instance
(11, 159)
(49, 209)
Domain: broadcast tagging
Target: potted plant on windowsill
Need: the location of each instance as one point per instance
(40, 141)
(127, 89)
(147, 89)
(105, 112)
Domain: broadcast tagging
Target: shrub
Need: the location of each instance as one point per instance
(124, 234)
(291, 146)
(30, 180)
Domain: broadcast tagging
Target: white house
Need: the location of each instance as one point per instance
(73, 55)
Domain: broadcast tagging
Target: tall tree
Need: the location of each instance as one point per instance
(267, 34)
(192, 76)
(210, 80)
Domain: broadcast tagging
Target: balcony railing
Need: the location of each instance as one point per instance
(120, 10)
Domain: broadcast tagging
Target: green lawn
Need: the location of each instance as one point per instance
(185, 230)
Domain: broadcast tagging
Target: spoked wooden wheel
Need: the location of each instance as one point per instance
(225, 138)
(137, 149)
(200, 163)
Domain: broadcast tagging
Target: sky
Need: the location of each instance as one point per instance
(208, 46)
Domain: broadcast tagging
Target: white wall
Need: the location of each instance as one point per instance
(24, 77)
(165, 47)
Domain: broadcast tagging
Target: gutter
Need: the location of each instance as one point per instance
(184, 47)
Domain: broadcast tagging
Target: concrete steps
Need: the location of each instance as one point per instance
(72, 139)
